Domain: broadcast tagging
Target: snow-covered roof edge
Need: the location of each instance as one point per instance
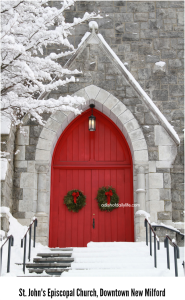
(131, 80)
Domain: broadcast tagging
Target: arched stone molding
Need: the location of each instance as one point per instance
(127, 123)
(111, 107)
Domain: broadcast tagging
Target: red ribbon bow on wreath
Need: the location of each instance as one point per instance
(75, 196)
(108, 194)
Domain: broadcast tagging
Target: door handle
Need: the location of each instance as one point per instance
(93, 223)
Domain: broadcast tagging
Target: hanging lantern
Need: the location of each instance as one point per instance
(92, 120)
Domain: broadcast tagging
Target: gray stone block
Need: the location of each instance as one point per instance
(180, 18)
(176, 216)
(152, 58)
(165, 194)
(19, 215)
(131, 103)
(163, 4)
(174, 63)
(163, 43)
(144, 25)
(176, 90)
(130, 37)
(170, 105)
(164, 215)
(156, 24)
(124, 48)
(167, 180)
(178, 205)
(180, 54)
(153, 155)
(119, 3)
(171, 34)
(110, 70)
(167, 206)
(4, 221)
(152, 15)
(30, 152)
(178, 114)
(168, 27)
(108, 85)
(150, 119)
(123, 17)
(144, 73)
(149, 34)
(178, 28)
(169, 79)
(177, 4)
(35, 131)
(140, 6)
(160, 95)
(176, 196)
(141, 17)
(168, 54)
(20, 170)
(182, 216)
(18, 193)
(120, 28)
(16, 180)
(150, 139)
(132, 27)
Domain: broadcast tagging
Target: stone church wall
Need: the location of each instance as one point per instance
(141, 34)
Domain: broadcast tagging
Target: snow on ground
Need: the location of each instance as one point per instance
(4, 167)
(122, 259)
(116, 259)
(18, 231)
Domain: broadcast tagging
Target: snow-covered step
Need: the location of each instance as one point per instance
(61, 249)
(47, 265)
(135, 260)
(54, 254)
(110, 265)
(134, 272)
(53, 259)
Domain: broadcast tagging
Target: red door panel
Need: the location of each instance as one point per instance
(87, 161)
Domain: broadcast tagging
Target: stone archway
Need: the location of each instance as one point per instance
(127, 123)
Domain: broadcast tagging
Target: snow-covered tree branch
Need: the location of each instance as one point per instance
(26, 76)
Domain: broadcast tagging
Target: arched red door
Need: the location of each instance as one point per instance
(86, 161)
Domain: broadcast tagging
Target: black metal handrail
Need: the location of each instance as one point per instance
(156, 241)
(10, 240)
(23, 242)
(176, 253)
(171, 229)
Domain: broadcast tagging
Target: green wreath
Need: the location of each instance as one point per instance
(105, 196)
(75, 200)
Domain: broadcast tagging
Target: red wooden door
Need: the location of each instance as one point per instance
(86, 161)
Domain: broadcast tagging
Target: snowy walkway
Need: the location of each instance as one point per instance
(122, 259)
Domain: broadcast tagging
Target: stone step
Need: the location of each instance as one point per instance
(40, 271)
(48, 265)
(32, 276)
(54, 259)
(61, 249)
(54, 254)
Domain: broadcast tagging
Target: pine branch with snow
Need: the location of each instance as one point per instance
(27, 27)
